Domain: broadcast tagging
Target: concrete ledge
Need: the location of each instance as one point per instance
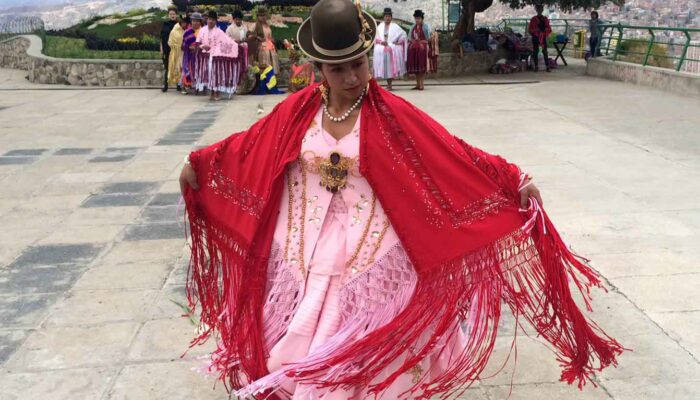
(682, 83)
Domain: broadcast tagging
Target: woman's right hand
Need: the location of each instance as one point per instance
(188, 178)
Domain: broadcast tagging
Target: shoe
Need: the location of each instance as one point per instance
(179, 88)
(165, 88)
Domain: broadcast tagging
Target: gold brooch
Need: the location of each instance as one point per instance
(333, 170)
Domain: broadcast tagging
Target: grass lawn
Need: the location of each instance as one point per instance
(290, 32)
(116, 30)
(62, 47)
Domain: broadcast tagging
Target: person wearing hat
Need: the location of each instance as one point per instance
(339, 244)
(418, 49)
(238, 31)
(189, 52)
(264, 50)
(175, 43)
(389, 50)
(167, 27)
(221, 53)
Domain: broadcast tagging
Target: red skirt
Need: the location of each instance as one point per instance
(417, 58)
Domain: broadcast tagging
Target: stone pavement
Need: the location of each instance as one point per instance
(92, 250)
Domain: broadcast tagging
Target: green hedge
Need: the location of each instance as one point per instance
(63, 47)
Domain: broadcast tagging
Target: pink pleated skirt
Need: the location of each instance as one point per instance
(318, 318)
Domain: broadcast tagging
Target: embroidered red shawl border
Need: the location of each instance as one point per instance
(455, 210)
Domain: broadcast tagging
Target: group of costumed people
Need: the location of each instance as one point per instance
(202, 57)
(347, 246)
(397, 54)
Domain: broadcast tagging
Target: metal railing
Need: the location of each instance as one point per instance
(654, 45)
(666, 47)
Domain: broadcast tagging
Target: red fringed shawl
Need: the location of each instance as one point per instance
(456, 211)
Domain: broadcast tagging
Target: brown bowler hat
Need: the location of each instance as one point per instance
(337, 31)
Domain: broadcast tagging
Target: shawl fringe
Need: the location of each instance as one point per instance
(530, 272)
(529, 269)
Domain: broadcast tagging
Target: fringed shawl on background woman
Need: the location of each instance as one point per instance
(456, 211)
(175, 61)
(189, 56)
(390, 61)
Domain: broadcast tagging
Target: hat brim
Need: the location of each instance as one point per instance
(305, 41)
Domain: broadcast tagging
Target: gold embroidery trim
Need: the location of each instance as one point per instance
(290, 219)
(304, 165)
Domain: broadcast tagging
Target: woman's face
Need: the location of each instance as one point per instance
(419, 20)
(347, 79)
(196, 24)
(262, 18)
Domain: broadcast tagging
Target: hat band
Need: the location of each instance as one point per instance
(338, 53)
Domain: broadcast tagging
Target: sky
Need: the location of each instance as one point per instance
(4, 4)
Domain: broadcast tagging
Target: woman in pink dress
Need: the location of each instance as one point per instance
(347, 246)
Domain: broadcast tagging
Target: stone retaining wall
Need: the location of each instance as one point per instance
(450, 65)
(13, 53)
(24, 52)
(97, 73)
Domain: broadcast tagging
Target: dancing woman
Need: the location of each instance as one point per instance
(348, 246)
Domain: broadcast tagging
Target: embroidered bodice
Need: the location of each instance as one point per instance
(326, 180)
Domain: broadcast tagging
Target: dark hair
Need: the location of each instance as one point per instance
(596, 14)
(237, 14)
(213, 15)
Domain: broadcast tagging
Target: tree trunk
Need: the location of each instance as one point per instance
(466, 20)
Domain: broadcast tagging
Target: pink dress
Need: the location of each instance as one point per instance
(337, 271)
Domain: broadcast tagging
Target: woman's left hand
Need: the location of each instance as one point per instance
(529, 191)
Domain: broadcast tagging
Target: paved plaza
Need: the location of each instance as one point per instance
(93, 253)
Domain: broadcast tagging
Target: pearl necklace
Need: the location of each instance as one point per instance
(347, 113)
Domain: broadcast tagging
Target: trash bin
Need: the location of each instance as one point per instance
(579, 43)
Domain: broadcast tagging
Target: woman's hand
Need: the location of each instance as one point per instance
(529, 190)
(188, 178)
